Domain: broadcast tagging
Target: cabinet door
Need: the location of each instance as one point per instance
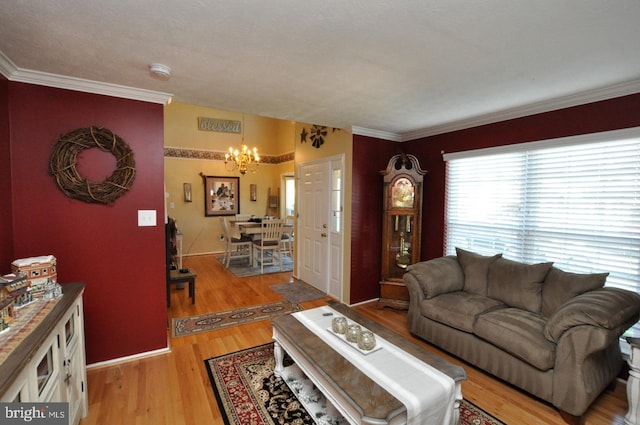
(47, 370)
(73, 364)
(20, 391)
(74, 384)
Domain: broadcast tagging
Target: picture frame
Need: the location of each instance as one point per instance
(221, 195)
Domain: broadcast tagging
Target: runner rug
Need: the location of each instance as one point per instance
(212, 321)
(297, 291)
(248, 392)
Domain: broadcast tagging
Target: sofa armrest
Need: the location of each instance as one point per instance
(587, 332)
(608, 308)
(437, 276)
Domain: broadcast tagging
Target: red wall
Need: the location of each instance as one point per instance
(122, 264)
(366, 230)
(6, 216)
(618, 113)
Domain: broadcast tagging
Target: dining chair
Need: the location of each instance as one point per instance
(287, 237)
(269, 242)
(243, 217)
(235, 247)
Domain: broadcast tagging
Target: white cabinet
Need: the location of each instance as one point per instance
(49, 364)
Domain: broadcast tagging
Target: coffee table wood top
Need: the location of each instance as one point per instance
(366, 396)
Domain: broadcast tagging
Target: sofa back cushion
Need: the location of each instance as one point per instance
(517, 284)
(560, 286)
(476, 269)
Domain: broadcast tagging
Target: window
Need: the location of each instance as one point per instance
(573, 201)
(336, 200)
(289, 195)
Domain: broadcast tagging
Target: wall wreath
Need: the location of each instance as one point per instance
(64, 159)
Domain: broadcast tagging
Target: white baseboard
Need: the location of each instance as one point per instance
(129, 358)
(364, 302)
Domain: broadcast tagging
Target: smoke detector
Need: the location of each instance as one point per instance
(160, 71)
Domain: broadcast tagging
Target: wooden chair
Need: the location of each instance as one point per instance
(287, 238)
(270, 240)
(234, 247)
(243, 217)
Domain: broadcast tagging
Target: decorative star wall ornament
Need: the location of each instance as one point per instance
(318, 133)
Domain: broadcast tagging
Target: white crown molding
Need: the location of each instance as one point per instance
(589, 96)
(7, 67)
(13, 73)
(378, 134)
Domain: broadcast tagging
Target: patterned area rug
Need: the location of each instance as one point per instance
(211, 321)
(241, 267)
(248, 393)
(297, 291)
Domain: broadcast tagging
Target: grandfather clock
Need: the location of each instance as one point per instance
(401, 227)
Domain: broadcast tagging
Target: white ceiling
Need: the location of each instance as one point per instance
(399, 69)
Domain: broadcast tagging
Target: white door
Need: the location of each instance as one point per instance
(313, 224)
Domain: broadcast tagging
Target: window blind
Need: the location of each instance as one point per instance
(574, 204)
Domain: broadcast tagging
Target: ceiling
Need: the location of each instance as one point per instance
(396, 69)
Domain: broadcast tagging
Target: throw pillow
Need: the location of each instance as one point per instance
(437, 276)
(560, 286)
(475, 268)
(517, 284)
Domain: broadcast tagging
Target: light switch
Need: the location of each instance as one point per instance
(146, 218)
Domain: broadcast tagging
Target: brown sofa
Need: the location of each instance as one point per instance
(551, 333)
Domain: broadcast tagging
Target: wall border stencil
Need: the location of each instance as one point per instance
(185, 153)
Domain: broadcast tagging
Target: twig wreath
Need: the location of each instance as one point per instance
(64, 159)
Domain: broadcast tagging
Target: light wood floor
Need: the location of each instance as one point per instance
(174, 388)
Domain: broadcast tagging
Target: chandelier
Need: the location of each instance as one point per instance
(242, 160)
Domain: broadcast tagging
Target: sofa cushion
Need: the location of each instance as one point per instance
(476, 269)
(520, 333)
(560, 286)
(438, 276)
(458, 309)
(517, 284)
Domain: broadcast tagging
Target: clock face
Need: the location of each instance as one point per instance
(402, 193)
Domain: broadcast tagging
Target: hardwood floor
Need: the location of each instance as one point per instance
(173, 388)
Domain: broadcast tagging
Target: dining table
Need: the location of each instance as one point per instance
(252, 228)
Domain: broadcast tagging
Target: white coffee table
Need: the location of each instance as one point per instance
(358, 395)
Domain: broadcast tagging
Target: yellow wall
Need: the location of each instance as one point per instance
(272, 138)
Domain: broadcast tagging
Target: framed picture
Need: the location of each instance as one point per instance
(221, 195)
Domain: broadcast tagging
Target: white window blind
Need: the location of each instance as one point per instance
(575, 202)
